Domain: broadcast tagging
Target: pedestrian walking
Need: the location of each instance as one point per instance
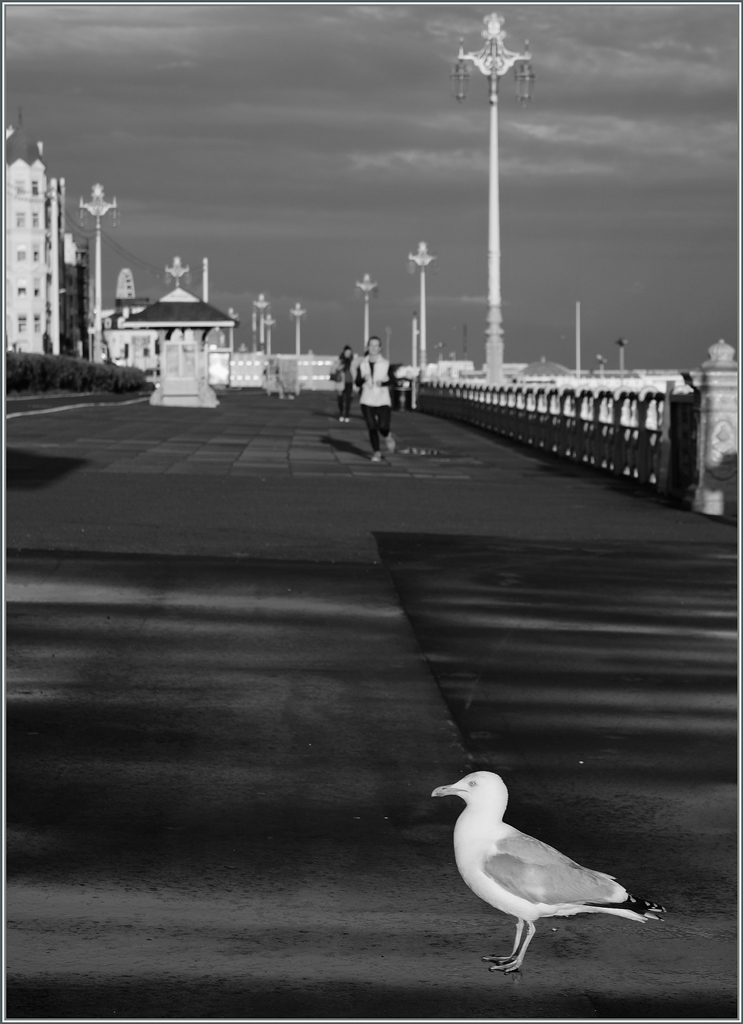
(343, 374)
(373, 377)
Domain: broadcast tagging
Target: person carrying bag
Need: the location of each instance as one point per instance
(343, 375)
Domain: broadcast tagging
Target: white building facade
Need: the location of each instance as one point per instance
(27, 249)
(45, 300)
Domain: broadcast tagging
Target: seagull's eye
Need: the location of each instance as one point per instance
(472, 783)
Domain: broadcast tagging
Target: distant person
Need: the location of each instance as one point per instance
(343, 374)
(373, 377)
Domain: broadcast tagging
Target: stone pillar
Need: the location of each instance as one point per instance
(716, 397)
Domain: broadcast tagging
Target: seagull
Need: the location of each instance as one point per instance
(522, 876)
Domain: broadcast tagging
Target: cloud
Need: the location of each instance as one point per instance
(691, 140)
(458, 163)
(454, 300)
(421, 161)
(378, 12)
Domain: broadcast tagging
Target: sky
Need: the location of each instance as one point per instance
(300, 146)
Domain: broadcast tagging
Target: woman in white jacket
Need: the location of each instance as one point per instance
(373, 377)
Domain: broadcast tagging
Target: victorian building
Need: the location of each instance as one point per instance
(46, 274)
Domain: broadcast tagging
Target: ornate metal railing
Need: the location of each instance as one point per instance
(620, 432)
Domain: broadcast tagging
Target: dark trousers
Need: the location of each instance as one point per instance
(344, 401)
(377, 418)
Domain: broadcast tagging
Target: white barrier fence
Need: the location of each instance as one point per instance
(682, 443)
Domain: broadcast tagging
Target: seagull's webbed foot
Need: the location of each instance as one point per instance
(503, 963)
(515, 960)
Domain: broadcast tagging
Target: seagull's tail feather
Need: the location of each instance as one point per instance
(634, 907)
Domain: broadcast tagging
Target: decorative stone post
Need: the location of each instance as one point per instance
(716, 397)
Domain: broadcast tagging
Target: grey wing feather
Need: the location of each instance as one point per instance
(537, 872)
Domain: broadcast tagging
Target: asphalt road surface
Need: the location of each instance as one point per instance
(240, 657)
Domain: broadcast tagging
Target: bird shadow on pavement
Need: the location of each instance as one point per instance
(346, 446)
(27, 470)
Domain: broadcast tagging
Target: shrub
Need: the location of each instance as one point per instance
(33, 374)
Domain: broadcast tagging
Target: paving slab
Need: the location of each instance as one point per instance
(124, 496)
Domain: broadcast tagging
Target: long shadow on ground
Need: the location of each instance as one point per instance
(345, 446)
(220, 771)
(600, 681)
(30, 470)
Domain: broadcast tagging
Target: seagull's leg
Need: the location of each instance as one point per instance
(507, 959)
(514, 963)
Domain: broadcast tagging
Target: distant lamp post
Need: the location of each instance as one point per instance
(268, 323)
(421, 259)
(493, 60)
(98, 207)
(367, 287)
(414, 344)
(602, 363)
(235, 316)
(297, 312)
(261, 304)
(622, 343)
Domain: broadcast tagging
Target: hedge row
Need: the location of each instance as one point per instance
(30, 373)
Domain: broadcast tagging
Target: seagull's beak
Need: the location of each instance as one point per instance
(446, 791)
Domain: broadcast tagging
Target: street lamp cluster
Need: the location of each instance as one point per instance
(493, 60)
(263, 321)
(366, 287)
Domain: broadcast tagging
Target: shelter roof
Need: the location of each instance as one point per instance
(545, 368)
(181, 308)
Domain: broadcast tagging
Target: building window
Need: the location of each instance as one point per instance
(22, 322)
(37, 287)
(20, 187)
(21, 287)
(37, 254)
(34, 220)
(20, 220)
(21, 253)
(37, 323)
(34, 188)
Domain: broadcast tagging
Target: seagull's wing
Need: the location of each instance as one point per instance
(529, 868)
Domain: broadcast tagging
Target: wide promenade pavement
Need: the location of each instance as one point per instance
(240, 657)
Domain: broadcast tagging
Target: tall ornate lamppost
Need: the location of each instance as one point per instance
(268, 323)
(421, 259)
(297, 312)
(98, 207)
(493, 60)
(261, 304)
(367, 287)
